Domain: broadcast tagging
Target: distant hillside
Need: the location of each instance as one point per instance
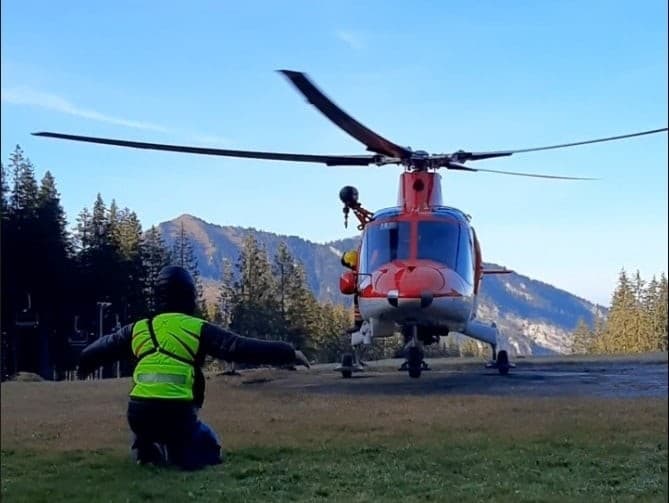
(212, 243)
(535, 317)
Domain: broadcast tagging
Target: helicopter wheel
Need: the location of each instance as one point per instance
(502, 361)
(347, 365)
(415, 360)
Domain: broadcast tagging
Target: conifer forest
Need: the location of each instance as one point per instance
(64, 287)
(65, 284)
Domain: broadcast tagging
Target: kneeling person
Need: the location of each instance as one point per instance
(168, 384)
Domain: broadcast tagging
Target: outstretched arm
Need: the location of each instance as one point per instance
(107, 349)
(227, 345)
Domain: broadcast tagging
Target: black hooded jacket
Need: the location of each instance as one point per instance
(214, 341)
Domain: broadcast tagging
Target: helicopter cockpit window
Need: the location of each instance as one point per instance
(384, 243)
(439, 241)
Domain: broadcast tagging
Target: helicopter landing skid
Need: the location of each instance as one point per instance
(501, 363)
(350, 363)
(405, 366)
(415, 362)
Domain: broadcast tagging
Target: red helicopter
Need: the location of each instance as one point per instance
(419, 268)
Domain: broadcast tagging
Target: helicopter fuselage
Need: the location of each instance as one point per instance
(419, 263)
(418, 269)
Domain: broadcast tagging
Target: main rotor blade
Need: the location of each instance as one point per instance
(373, 141)
(476, 156)
(453, 165)
(329, 160)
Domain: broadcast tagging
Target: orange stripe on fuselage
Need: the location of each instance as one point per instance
(413, 277)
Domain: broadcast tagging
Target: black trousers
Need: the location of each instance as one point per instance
(190, 443)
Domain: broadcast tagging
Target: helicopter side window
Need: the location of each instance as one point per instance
(384, 243)
(465, 263)
(439, 241)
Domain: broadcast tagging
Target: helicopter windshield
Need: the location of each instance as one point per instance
(447, 243)
(384, 243)
(438, 241)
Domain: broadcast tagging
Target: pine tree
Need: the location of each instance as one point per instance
(226, 295)
(8, 297)
(100, 225)
(128, 243)
(257, 312)
(648, 305)
(25, 193)
(598, 331)
(113, 221)
(126, 231)
(620, 333)
(50, 207)
(582, 338)
(99, 267)
(55, 289)
(23, 205)
(183, 255)
(4, 192)
(658, 312)
(642, 331)
(81, 239)
(330, 338)
(297, 304)
(21, 278)
(155, 256)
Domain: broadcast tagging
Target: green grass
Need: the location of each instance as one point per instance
(442, 469)
(70, 442)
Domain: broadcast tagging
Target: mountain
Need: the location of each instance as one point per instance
(535, 318)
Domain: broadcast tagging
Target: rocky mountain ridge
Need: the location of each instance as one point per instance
(535, 317)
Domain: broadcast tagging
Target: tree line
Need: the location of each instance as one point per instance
(62, 288)
(636, 322)
(268, 297)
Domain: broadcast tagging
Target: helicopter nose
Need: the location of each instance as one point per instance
(411, 281)
(414, 280)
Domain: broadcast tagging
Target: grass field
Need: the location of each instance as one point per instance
(69, 442)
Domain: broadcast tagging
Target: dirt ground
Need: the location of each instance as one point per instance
(641, 376)
(304, 407)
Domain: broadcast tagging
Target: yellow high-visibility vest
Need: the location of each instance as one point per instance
(166, 347)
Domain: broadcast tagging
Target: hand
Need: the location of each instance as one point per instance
(301, 359)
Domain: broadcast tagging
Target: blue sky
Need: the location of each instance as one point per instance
(438, 76)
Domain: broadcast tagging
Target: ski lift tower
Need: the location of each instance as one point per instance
(101, 307)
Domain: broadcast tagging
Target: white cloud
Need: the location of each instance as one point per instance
(26, 96)
(48, 101)
(352, 39)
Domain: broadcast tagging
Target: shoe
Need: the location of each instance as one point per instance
(152, 454)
